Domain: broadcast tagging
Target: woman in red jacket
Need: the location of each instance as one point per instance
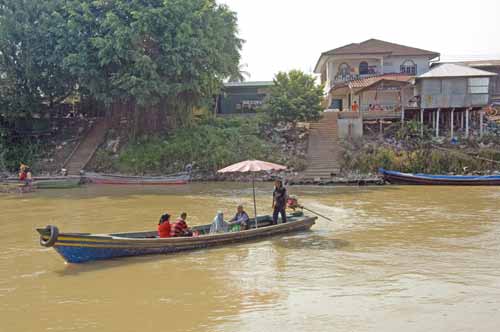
(164, 226)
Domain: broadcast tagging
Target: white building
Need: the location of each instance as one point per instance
(370, 58)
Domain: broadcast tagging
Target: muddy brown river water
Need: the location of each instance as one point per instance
(395, 259)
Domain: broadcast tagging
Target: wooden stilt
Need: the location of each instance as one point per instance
(467, 123)
(437, 121)
(481, 123)
(422, 122)
(452, 123)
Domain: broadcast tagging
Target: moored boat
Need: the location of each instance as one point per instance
(49, 182)
(84, 247)
(176, 179)
(394, 177)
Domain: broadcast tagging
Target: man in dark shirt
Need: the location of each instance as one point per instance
(279, 202)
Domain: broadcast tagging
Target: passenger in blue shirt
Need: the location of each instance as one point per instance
(241, 218)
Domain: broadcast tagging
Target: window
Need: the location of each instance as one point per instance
(479, 85)
(343, 73)
(408, 67)
(363, 68)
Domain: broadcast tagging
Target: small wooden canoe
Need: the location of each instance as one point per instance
(81, 248)
(176, 179)
(49, 182)
(443, 180)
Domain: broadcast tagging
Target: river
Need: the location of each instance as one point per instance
(394, 259)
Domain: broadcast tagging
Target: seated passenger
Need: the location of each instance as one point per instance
(180, 227)
(240, 220)
(164, 226)
(219, 225)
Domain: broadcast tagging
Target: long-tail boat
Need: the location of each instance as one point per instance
(85, 247)
(48, 182)
(394, 177)
(176, 179)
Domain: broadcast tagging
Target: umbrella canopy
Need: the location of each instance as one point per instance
(253, 166)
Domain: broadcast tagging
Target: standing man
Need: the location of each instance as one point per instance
(355, 106)
(279, 201)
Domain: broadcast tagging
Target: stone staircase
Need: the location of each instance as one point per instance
(323, 150)
(86, 149)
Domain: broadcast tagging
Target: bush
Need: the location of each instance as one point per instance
(16, 151)
(294, 97)
(212, 144)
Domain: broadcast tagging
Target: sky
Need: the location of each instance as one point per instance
(282, 35)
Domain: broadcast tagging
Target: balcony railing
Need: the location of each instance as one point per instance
(351, 77)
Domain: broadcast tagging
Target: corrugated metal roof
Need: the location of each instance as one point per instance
(454, 70)
(481, 63)
(249, 84)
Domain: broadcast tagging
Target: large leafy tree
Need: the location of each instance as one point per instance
(32, 78)
(166, 54)
(294, 97)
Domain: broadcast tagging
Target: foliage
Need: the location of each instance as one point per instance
(22, 150)
(294, 97)
(423, 160)
(32, 78)
(411, 134)
(170, 53)
(212, 144)
(240, 75)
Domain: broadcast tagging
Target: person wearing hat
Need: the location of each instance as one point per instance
(279, 201)
(25, 175)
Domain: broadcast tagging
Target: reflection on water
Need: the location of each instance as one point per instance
(395, 258)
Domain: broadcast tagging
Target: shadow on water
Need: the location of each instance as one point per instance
(314, 242)
(77, 269)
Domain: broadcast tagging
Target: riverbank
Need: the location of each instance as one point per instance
(205, 147)
(365, 156)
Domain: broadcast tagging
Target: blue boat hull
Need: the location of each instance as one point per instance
(81, 248)
(443, 180)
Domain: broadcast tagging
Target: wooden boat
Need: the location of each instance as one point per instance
(444, 180)
(176, 179)
(80, 248)
(50, 182)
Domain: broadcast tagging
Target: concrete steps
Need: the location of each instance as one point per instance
(86, 149)
(323, 149)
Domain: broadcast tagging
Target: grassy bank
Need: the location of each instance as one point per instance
(367, 156)
(208, 145)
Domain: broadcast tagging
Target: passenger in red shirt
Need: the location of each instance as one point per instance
(180, 227)
(164, 226)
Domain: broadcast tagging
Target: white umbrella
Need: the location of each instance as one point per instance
(253, 166)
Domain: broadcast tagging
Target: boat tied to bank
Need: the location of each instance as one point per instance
(47, 182)
(394, 177)
(85, 247)
(109, 179)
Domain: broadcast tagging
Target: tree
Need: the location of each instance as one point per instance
(241, 75)
(169, 55)
(32, 78)
(294, 97)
